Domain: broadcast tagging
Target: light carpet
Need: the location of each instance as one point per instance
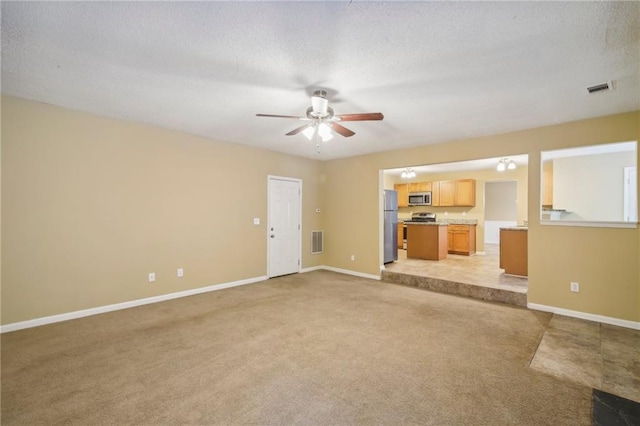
(315, 348)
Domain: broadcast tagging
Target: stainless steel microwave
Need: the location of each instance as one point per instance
(420, 198)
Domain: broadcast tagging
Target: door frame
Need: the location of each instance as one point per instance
(267, 238)
(630, 194)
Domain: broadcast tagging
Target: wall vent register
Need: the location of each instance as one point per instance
(317, 242)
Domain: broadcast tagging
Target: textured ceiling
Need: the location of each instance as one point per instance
(438, 71)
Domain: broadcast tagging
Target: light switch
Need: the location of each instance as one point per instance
(256, 221)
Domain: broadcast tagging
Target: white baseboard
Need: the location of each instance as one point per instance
(342, 271)
(124, 305)
(586, 316)
(310, 269)
(350, 272)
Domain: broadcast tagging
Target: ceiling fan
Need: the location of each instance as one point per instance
(322, 119)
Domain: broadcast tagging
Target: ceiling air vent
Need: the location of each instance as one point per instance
(600, 87)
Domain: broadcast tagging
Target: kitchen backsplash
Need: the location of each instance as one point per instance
(441, 212)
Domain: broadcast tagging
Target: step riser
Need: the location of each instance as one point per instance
(456, 288)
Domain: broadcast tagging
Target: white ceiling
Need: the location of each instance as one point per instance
(438, 71)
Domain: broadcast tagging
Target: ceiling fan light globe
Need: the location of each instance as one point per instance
(511, 165)
(326, 138)
(501, 167)
(324, 130)
(308, 132)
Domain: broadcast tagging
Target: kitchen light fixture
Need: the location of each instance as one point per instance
(504, 164)
(408, 173)
(323, 130)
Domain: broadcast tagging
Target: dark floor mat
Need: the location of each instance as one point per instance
(611, 410)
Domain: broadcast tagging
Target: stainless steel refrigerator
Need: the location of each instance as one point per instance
(390, 211)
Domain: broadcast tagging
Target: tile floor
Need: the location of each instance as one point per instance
(481, 270)
(601, 356)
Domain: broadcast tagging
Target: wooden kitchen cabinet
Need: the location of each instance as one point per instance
(462, 239)
(513, 251)
(400, 234)
(420, 187)
(435, 193)
(447, 193)
(547, 184)
(452, 193)
(403, 194)
(426, 241)
(465, 192)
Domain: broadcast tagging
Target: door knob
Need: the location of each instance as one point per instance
(273, 236)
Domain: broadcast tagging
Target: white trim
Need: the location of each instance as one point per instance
(355, 273)
(627, 225)
(311, 269)
(586, 316)
(288, 179)
(342, 271)
(124, 305)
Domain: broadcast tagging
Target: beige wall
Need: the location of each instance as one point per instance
(604, 261)
(591, 186)
(91, 205)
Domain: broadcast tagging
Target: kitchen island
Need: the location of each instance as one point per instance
(427, 240)
(513, 250)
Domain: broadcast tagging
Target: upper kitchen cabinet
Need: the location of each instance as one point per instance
(403, 194)
(447, 193)
(547, 184)
(435, 193)
(465, 192)
(420, 187)
(452, 193)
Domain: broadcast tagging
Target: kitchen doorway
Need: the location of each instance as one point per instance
(461, 274)
(500, 208)
(283, 226)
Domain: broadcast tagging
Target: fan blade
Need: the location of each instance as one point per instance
(282, 116)
(341, 129)
(299, 129)
(360, 117)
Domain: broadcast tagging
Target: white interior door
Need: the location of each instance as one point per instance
(284, 226)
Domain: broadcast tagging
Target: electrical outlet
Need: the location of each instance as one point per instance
(575, 287)
(256, 221)
(152, 277)
(180, 272)
(353, 257)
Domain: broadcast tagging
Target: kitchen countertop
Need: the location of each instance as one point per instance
(426, 223)
(447, 222)
(515, 228)
(458, 221)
